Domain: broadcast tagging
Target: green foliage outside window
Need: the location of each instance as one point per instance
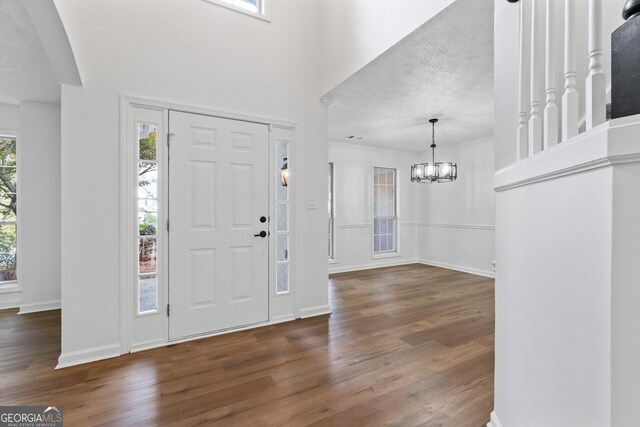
(8, 209)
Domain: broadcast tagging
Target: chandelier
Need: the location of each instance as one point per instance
(436, 171)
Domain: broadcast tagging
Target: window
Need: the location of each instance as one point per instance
(331, 210)
(384, 211)
(147, 218)
(8, 211)
(282, 219)
(250, 7)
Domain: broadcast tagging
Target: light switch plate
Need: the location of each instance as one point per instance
(312, 203)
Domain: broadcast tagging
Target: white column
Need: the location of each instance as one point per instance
(596, 83)
(551, 107)
(523, 88)
(570, 97)
(535, 120)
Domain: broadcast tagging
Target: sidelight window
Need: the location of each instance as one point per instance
(147, 218)
(282, 217)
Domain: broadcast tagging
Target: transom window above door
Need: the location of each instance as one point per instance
(255, 8)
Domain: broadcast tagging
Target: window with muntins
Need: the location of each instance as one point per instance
(384, 211)
(282, 219)
(8, 211)
(147, 218)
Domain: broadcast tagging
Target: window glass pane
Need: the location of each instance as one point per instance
(282, 153)
(282, 277)
(282, 250)
(148, 293)
(147, 255)
(147, 141)
(330, 238)
(250, 5)
(147, 180)
(282, 217)
(147, 217)
(376, 243)
(8, 247)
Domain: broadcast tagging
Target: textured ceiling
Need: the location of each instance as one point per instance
(443, 69)
(25, 72)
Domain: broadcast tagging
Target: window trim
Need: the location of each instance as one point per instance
(11, 286)
(389, 254)
(265, 15)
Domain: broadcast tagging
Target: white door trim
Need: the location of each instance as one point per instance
(128, 224)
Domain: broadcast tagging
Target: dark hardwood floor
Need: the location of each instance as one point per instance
(410, 345)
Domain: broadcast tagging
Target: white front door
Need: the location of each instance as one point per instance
(218, 203)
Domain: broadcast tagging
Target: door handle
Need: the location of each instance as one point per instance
(261, 234)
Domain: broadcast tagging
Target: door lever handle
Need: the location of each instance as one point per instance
(261, 234)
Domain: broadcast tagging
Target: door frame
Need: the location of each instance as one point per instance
(282, 307)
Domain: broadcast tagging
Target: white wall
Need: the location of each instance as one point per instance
(9, 117)
(222, 60)
(10, 125)
(355, 32)
(456, 220)
(553, 303)
(40, 206)
(625, 296)
(37, 126)
(353, 176)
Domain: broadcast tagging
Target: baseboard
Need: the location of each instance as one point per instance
(390, 263)
(149, 345)
(315, 311)
(495, 422)
(9, 302)
(282, 319)
(39, 306)
(86, 356)
(469, 270)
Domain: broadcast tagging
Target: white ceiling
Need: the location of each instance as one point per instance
(25, 71)
(444, 69)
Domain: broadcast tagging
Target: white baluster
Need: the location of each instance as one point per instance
(596, 97)
(551, 108)
(523, 87)
(535, 120)
(570, 97)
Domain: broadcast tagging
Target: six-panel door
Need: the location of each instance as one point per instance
(218, 191)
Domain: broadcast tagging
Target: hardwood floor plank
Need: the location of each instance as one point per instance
(408, 345)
